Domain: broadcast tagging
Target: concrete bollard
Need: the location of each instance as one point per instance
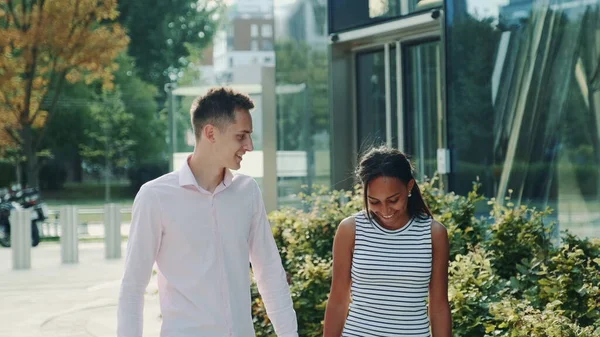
(69, 235)
(112, 231)
(20, 238)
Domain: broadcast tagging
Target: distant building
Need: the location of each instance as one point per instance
(245, 43)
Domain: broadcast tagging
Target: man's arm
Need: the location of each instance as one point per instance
(269, 273)
(142, 247)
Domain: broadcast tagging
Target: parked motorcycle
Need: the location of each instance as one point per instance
(14, 199)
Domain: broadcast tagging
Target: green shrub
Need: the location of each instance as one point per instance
(572, 279)
(518, 318)
(8, 174)
(518, 234)
(508, 275)
(53, 175)
(472, 287)
(144, 172)
(457, 213)
(305, 241)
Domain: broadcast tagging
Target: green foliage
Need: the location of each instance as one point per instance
(74, 122)
(472, 287)
(109, 143)
(53, 175)
(517, 234)
(7, 173)
(301, 65)
(305, 240)
(518, 318)
(144, 172)
(148, 129)
(457, 213)
(572, 278)
(507, 276)
(160, 32)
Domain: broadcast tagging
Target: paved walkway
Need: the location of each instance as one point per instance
(56, 300)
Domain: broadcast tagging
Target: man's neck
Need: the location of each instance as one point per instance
(208, 176)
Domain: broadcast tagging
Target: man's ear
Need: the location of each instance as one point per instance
(209, 132)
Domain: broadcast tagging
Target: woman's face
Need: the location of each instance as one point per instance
(388, 199)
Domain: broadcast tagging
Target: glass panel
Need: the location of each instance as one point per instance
(383, 8)
(370, 93)
(394, 96)
(422, 105)
(524, 104)
(367, 12)
(303, 156)
(371, 98)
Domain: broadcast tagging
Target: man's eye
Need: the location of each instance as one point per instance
(373, 202)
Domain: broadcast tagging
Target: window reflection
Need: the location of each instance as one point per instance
(367, 12)
(370, 91)
(524, 105)
(422, 105)
(302, 98)
(384, 8)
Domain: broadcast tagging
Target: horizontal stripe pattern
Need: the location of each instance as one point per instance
(391, 270)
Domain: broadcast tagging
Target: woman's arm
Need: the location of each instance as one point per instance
(339, 296)
(439, 308)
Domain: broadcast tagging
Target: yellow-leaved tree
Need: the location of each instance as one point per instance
(44, 43)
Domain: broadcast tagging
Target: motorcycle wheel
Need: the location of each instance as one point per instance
(4, 238)
(35, 234)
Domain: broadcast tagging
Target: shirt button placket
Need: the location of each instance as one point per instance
(221, 253)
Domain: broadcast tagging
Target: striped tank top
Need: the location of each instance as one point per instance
(390, 272)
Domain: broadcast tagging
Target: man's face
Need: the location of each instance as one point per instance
(235, 140)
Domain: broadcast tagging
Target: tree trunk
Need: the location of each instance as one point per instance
(30, 156)
(77, 170)
(18, 170)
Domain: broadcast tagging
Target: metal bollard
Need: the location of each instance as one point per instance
(20, 238)
(69, 236)
(112, 231)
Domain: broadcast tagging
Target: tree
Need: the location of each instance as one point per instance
(42, 45)
(471, 121)
(299, 63)
(110, 144)
(66, 130)
(148, 129)
(161, 30)
(73, 120)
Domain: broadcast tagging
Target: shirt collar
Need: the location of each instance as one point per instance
(186, 177)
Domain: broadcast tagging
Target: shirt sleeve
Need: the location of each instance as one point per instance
(142, 248)
(269, 273)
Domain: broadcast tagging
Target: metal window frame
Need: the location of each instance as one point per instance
(399, 43)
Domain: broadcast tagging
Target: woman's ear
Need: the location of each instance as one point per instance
(411, 185)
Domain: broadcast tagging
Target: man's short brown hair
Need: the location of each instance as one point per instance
(217, 107)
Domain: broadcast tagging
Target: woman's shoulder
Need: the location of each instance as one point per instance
(345, 232)
(439, 232)
(348, 224)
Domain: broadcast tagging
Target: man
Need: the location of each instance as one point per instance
(202, 225)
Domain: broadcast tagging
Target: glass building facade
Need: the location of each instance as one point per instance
(507, 92)
(524, 104)
(301, 76)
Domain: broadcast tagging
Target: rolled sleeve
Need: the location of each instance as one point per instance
(142, 248)
(269, 273)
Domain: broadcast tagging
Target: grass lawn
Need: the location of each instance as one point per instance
(89, 198)
(89, 195)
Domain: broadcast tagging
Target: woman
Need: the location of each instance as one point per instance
(388, 258)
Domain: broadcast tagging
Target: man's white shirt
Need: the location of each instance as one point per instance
(202, 244)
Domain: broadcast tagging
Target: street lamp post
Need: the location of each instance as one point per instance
(172, 132)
